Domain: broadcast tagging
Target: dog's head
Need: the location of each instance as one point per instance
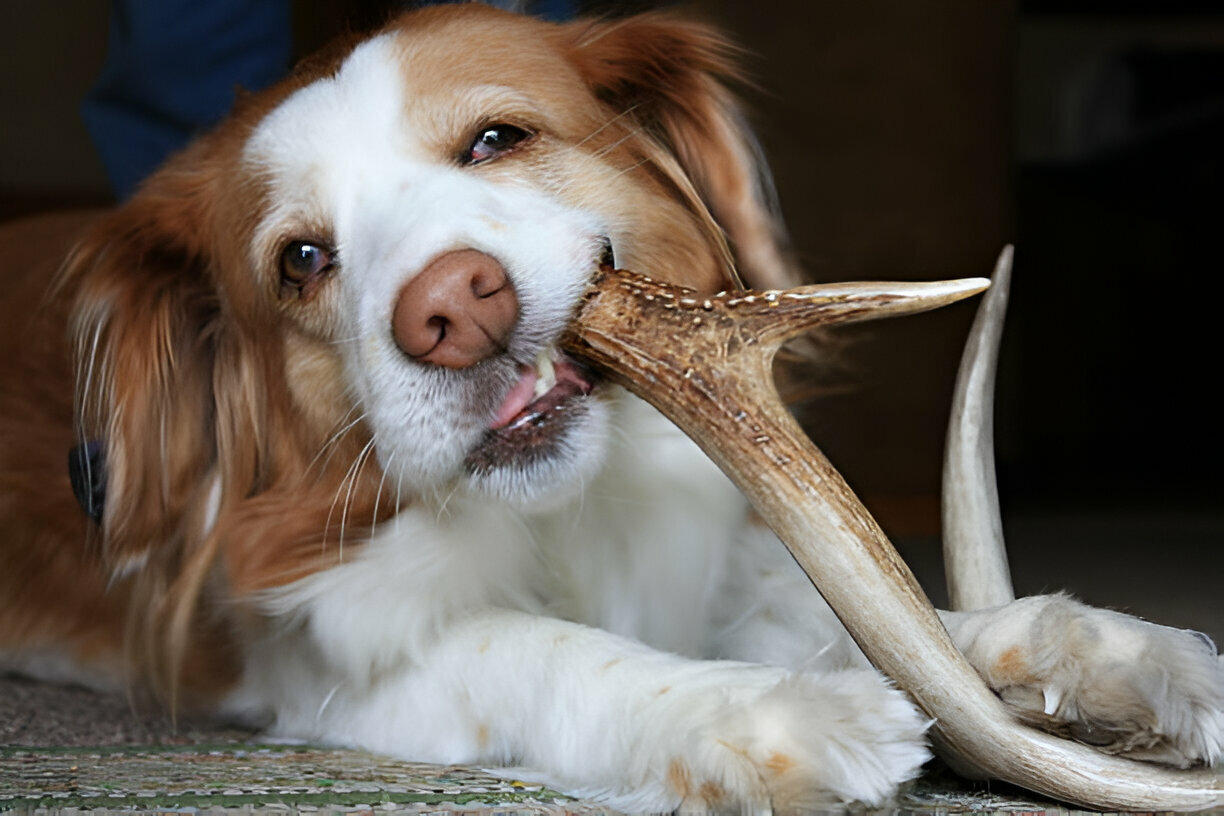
(347, 297)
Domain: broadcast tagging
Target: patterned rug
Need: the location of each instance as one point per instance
(267, 779)
(242, 776)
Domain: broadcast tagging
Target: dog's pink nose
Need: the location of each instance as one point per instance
(459, 310)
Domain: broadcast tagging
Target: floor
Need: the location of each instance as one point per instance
(71, 751)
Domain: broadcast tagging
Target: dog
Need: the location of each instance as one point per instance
(334, 475)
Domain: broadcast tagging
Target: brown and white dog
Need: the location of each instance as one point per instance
(344, 480)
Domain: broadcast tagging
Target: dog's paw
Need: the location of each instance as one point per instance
(1121, 684)
(809, 741)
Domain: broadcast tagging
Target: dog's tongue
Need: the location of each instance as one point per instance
(569, 382)
(518, 399)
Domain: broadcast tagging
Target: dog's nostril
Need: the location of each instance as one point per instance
(459, 310)
(486, 286)
(437, 325)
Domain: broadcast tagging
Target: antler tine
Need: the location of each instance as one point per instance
(707, 367)
(975, 555)
(772, 317)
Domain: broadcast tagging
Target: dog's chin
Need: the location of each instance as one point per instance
(545, 455)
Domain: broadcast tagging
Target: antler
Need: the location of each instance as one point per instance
(706, 364)
(975, 557)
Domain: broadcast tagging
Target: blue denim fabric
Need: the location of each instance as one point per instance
(173, 68)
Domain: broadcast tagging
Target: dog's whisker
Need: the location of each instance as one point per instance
(331, 511)
(327, 701)
(626, 112)
(328, 446)
(366, 454)
(381, 483)
(356, 406)
(608, 148)
(350, 478)
(341, 341)
(441, 513)
(327, 522)
(399, 493)
(632, 167)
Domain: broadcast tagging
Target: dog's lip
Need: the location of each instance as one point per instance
(521, 402)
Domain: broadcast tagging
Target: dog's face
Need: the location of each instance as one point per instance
(356, 285)
(471, 143)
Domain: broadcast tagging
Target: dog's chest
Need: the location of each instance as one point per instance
(643, 552)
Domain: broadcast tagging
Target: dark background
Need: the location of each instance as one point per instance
(911, 141)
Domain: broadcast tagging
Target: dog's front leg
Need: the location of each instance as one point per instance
(596, 714)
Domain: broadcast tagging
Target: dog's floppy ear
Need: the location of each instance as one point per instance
(144, 309)
(669, 74)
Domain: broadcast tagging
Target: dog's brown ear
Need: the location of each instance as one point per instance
(669, 75)
(144, 309)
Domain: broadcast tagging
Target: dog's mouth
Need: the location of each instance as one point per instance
(539, 408)
(533, 421)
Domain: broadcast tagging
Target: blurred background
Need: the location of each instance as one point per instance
(911, 141)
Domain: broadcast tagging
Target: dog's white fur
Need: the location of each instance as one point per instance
(608, 618)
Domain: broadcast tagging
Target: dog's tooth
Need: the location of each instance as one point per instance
(547, 373)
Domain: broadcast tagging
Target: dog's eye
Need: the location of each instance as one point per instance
(302, 263)
(494, 141)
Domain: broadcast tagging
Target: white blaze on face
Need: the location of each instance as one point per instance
(358, 162)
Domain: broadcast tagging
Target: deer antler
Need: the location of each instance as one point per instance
(706, 364)
(975, 557)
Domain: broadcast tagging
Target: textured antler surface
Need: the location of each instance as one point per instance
(706, 364)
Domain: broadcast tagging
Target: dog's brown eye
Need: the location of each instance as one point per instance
(303, 263)
(493, 141)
